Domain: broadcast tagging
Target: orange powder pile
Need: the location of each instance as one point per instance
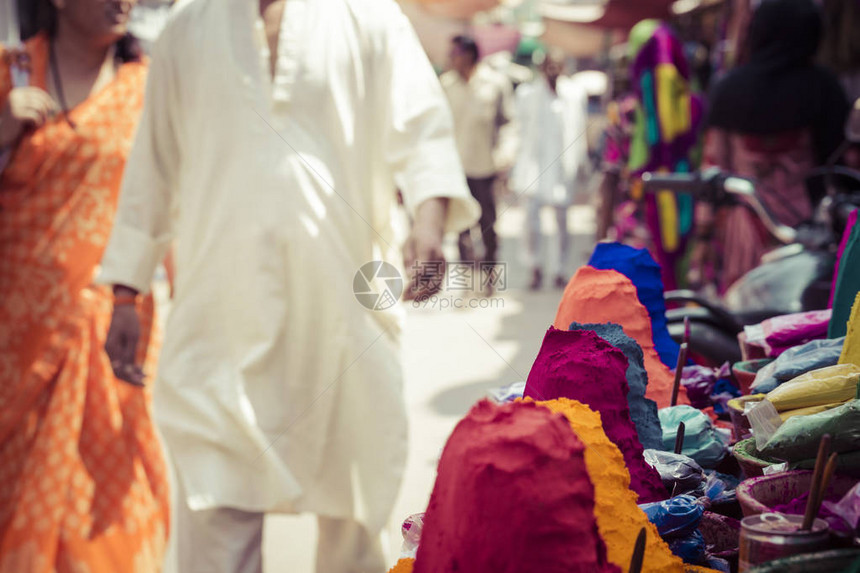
(405, 565)
(619, 519)
(600, 296)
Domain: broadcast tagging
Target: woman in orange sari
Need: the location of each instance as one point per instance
(83, 484)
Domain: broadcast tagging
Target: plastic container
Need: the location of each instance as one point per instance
(822, 562)
(751, 461)
(771, 536)
(759, 495)
(744, 372)
(740, 423)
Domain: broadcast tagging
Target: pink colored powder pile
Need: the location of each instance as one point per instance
(797, 506)
(512, 495)
(580, 365)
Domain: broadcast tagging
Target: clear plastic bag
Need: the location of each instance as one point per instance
(796, 361)
(679, 473)
(823, 386)
(764, 421)
(411, 531)
(848, 508)
(508, 393)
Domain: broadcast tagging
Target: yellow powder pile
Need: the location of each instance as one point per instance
(619, 519)
(851, 348)
(405, 565)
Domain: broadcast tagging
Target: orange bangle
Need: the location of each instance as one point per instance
(124, 299)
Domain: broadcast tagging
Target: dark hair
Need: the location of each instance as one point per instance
(39, 16)
(468, 45)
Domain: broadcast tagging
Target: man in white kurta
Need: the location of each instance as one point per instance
(553, 157)
(277, 391)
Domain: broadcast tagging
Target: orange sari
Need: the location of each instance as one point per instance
(83, 483)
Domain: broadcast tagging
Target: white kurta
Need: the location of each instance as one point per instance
(277, 390)
(553, 149)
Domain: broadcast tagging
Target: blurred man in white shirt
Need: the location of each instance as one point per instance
(482, 104)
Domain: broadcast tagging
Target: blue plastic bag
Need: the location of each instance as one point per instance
(690, 548)
(675, 517)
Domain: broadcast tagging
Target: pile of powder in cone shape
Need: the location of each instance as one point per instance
(643, 271)
(643, 411)
(619, 519)
(512, 495)
(405, 565)
(608, 296)
(851, 348)
(579, 365)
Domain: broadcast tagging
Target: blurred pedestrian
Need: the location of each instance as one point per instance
(772, 119)
(272, 140)
(552, 112)
(482, 103)
(83, 484)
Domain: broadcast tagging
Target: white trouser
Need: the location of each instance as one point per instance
(535, 235)
(225, 540)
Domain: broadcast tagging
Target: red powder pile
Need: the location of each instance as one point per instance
(581, 366)
(512, 495)
(608, 296)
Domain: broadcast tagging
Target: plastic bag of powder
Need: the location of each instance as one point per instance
(848, 508)
(702, 441)
(823, 386)
(675, 517)
(796, 361)
(678, 472)
(798, 438)
(783, 332)
(690, 548)
(411, 530)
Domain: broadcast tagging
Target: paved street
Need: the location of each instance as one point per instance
(453, 358)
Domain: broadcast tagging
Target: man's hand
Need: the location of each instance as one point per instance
(423, 246)
(122, 339)
(27, 107)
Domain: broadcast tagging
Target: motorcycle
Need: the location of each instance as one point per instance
(793, 278)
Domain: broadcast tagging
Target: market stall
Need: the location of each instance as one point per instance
(618, 453)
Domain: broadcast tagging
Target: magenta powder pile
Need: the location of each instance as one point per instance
(797, 506)
(581, 366)
(512, 495)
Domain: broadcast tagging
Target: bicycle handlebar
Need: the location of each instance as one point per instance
(717, 188)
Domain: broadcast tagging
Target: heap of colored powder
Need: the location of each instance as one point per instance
(619, 519)
(512, 495)
(797, 506)
(643, 271)
(405, 565)
(851, 348)
(579, 365)
(643, 411)
(608, 296)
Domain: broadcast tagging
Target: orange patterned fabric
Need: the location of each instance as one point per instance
(83, 484)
